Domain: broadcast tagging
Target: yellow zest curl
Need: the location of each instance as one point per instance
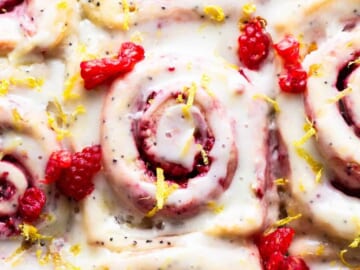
(75, 249)
(205, 80)
(204, 155)
(249, 8)
(269, 100)
(163, 191)
(191, 91)
(214, 13)
(315, 165)
(315, 70)
(280, 181)
(344, 262)
(287, 220)
(62, 4)
(4, 87)
(126, 11)
(339, 96)
(214, 207)
(70, 83)
(17, 119)
(31, 234)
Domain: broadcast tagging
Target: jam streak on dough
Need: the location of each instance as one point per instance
(36, 25)
(165, 132)
(24, 139)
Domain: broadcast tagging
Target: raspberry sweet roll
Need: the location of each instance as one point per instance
(321, 139)
(123, 14)
(303, 19)
(26, 25)
(26, 144)
(184, 142)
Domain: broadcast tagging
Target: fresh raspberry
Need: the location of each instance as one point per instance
(295, 263)
(288, 49)
(294, 80)
(31, 204)
(131, 51)
(277, 241)
(253, 44)
(278, 261)
(77, 182)
(58, 161)
(98, 71)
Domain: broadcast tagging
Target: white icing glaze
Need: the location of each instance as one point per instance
(106, 226)
(34, 24)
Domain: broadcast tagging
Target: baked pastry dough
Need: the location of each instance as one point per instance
(321, 140)
(35, 25)
(201, 157)
(200, 146)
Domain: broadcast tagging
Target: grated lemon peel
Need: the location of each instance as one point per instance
(214, 13)
(340, 95)
(354, 244)
(315, 166)
(163, 191)
(280, 181)
(59, 121)
(268, 99)
(126, 12)
(75, 249)
(68, 92)
(249, 8)
(17, 118)
(315, 70)
(62, 4)
(204, 83)
(287, 220)
(191, 92)
(4, 87)
(215, 207)
(204, 155)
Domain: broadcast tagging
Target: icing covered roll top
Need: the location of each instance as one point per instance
(180, 140)
(33, 24)
(321, 138)
(25, 145)
(184, 150)
(123, 14)
(332, 103)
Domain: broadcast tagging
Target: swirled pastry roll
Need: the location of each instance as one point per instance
(321, 139)
(184, 169)
(123, 14)
(33, 24)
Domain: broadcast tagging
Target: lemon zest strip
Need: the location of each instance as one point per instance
(163, 191)
(287, 220)
(341, 95)
(214, 13)
(273, 102)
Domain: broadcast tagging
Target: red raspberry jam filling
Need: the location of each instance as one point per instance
(19, 200)
(7, 189)
(146, 131)
(345, 106)
(9, 5)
